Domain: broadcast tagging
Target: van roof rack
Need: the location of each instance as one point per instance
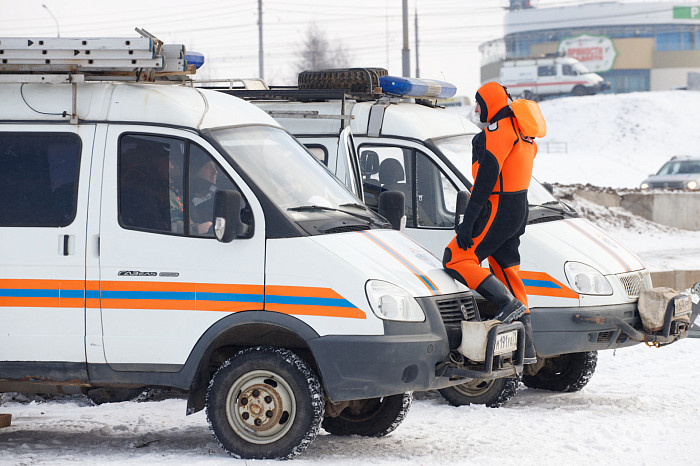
(58, 59)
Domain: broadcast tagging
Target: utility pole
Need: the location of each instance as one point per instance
(417, 67)
(261, 63)
(405, 52)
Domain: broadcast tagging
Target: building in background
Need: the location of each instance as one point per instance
(634, 46)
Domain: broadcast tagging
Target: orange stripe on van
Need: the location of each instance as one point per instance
(227, 288)
(147, 286)
(304, 291)
(321, 311)
(29, 284)
(12, 301)
(165, 304)
(543, 284)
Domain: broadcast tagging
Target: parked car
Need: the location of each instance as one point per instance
(681, 172)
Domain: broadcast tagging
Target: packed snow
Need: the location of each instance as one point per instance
(639, 408)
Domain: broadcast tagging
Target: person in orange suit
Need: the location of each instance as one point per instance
(497, 212)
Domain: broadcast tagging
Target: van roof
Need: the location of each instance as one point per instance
(166, 104)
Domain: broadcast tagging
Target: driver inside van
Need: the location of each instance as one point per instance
(203, 172)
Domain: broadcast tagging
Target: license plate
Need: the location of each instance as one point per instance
(506, 342)
(682, 306)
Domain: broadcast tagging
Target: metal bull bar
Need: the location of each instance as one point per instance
(486, 371)
(673, 328)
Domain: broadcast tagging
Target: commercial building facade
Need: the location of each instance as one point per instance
(634, 46)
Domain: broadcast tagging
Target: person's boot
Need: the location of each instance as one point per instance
(530, 354)
(509, 308)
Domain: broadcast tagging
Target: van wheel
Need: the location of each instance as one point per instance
(263, 403)
(564, 373)
(529, 95)
(492, 393)
(579, 90)
(375, 417)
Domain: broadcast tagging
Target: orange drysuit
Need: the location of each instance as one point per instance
(502, 161)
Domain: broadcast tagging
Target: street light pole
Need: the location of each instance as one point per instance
(58, 32)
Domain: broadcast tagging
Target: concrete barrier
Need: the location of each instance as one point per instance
(677, 279)
(680, 210)
(674, 209)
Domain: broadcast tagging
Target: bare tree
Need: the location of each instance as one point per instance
(317, 54)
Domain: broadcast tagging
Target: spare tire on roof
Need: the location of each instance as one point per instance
(361, 80)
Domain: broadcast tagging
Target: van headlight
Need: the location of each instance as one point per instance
(584, 279)
(390, 302)
(692, 185)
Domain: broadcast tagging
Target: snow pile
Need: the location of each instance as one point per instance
(616, 140)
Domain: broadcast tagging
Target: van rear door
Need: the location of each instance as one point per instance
(44, 180)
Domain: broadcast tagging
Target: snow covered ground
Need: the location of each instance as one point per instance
(641, 406)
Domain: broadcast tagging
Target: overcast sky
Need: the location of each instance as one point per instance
(370, 31)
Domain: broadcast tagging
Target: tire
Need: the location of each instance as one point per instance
(579, 91)
(362, 80)
(565, 373)
(529, 95)
(286, 410)
(492, 393)
(374, 417)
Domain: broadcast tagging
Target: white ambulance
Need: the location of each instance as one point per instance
(534, 78)
(156, 235)
(582, 285)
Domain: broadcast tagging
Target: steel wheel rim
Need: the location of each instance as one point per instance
(260, 407)
(475, 387)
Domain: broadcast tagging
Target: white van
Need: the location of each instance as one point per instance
(582, 285)
(163, 236)
(541, 77)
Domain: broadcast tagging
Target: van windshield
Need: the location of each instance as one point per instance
(284, 170)
(458, 150)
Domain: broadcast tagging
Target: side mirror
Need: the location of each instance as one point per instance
(462, 201)
(227, 215)
(391, 207)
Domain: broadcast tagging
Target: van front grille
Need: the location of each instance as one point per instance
(457, 309)
(636, 282)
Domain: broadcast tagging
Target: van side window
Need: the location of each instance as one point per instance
(568, 70)
(387, 168)
(318, 151)
(205, 178)
(167, 185)
(38, 179)
(546, 71)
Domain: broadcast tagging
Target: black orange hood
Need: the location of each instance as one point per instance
(491, 97)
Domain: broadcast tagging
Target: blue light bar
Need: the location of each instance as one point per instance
(413, 87)
(194, 58)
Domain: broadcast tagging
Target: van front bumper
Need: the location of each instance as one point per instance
(559, 330)
(408, 357)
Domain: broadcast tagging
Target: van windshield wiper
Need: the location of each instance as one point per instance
(556, 206)
(311, 208)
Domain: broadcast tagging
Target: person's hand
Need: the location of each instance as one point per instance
(203, 228)
(464, 235)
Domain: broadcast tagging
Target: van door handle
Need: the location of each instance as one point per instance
(66, 241)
